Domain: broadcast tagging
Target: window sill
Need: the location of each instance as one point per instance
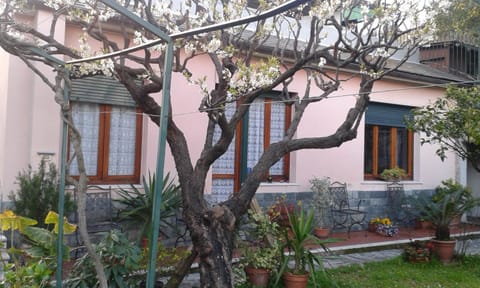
(381, 182)
(278, 187)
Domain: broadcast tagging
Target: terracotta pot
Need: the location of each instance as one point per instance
(321, 232)
(422, 224)
(372, 227)
(444, 250)
(258, 277)
(67, 266)
(295, 281)
(144, 242)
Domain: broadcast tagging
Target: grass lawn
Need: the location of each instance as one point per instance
(398, 273)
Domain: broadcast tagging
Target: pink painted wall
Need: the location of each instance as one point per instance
(38, 128)
(16, 121)
(345, 163)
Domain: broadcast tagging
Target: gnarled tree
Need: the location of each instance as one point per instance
(331, 42)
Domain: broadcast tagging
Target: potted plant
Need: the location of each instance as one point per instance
(393, 174)
(322, 201)
(421, 219)
(418, 251)
(279, 211)
(384, 226)
(373, 223)
(136, 206)
(450, 199)
(296, 244)
(262, 252)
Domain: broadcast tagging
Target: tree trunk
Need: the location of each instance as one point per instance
(81, 190)
(215, 244)
(181, 270)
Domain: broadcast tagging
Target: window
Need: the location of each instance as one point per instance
(111, 140)
(111, 133)
(388, 143)
(265, 123)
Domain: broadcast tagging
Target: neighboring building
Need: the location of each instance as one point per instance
(461, 58)
(452, 56)
(121, 145)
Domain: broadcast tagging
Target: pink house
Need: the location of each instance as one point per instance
(121, 144)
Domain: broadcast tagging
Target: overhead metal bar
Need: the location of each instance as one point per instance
(145, 24)
(269, 13)
(44, 54)
(262, 16)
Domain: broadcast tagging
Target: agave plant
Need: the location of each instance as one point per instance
(136, 206)
(297, 245)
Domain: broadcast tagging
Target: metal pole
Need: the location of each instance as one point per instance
(218, 26)
(61, 188)
(61, 196)
(157, 198)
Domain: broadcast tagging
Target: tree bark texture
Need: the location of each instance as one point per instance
(81, 190)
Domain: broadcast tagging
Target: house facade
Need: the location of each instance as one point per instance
(120, 143)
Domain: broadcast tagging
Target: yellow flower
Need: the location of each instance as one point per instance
(375, 220)
(378, 220)
(386, 221)
(52, 218)
(9, 220)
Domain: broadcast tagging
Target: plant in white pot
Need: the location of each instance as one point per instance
(394, 174)
(322, 201)
(449, 200)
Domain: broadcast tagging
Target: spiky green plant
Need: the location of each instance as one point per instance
(136, 206)
(450, 199)
(296, 243)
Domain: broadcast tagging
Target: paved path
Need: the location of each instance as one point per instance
(333, 261)
(471, 246)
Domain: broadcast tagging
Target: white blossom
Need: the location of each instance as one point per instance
(138, 38)
(249, 78)
(105, 15)
(380, 52)
(213, 45)
(15, 34)
(106, 66)
(226, 74)
(322, 62)
(189, 49)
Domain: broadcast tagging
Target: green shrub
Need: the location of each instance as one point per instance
(38, 193)
(119, 257)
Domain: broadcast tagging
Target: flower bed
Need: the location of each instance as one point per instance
(387, 230)
(382, 226)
